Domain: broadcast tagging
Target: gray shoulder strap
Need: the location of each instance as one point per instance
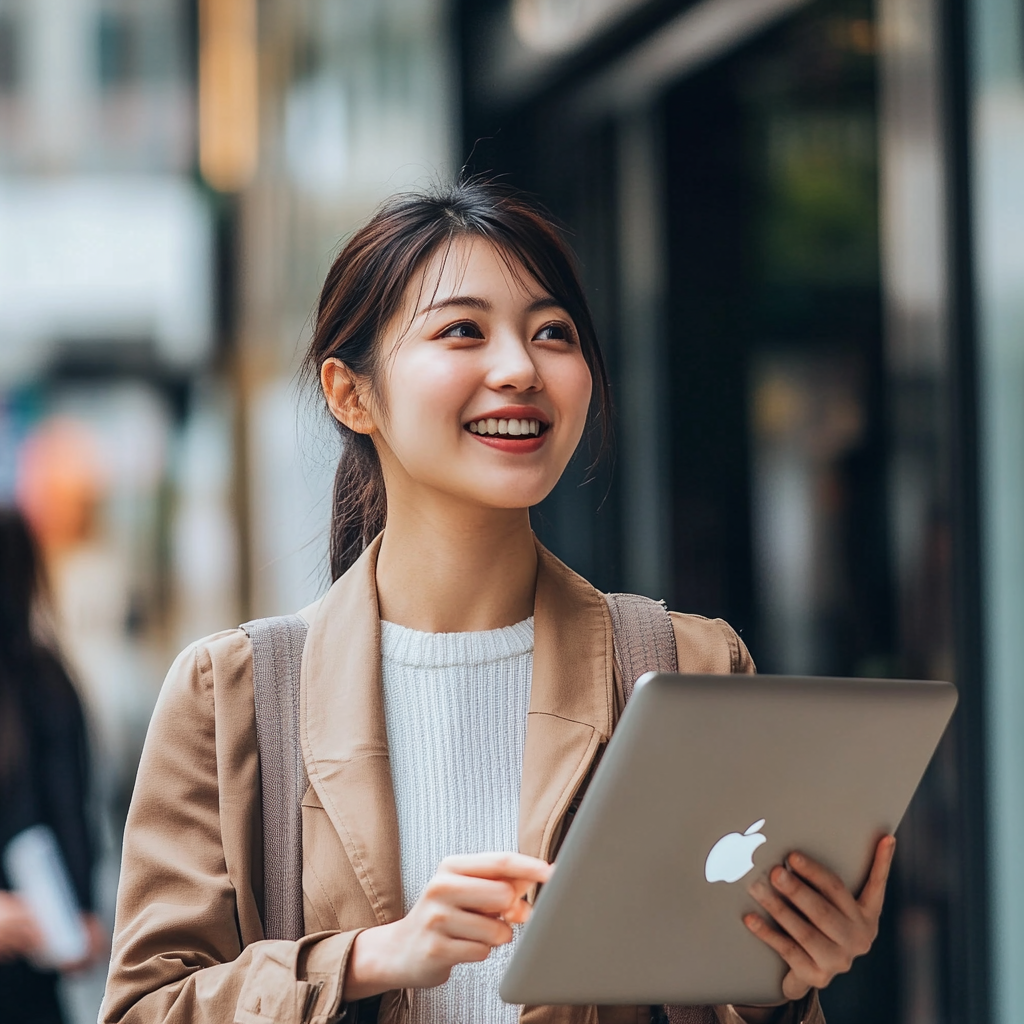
(276, 662)
(645, 642)
(643, 637)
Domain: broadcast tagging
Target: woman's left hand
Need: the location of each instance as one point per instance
(821, 927)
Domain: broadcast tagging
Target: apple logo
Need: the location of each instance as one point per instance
(733, 855)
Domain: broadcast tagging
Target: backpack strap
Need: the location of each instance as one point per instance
(645, 642)
(276, 662)
(643, 637)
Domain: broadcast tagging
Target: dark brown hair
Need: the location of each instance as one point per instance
(364, 290)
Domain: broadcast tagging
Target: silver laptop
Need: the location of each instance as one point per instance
(709, 782)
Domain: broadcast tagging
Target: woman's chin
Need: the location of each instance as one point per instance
(500, 488)
(513, 494)
(507, 499)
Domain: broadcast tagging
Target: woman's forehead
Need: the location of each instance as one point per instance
(474, 267)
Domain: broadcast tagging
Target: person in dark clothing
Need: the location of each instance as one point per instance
(44, 775)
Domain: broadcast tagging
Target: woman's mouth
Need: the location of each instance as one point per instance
(510, 434)
(492, 427)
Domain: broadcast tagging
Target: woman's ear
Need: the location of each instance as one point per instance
(346, 396)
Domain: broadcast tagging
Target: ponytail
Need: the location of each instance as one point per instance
(363, 293)
(359, 507)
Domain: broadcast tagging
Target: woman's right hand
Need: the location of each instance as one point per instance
(467, 908)
(19, 933)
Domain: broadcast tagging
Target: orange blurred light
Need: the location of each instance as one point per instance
(60, 482)
(228, 96)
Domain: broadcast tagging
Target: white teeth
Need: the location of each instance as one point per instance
(512, 428)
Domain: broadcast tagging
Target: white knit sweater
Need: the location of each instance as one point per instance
(456, 705)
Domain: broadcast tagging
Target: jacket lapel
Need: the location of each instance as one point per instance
(572, 699)
(344, 735)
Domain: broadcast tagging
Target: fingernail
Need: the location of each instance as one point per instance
(797, 859)
(782, 878)
(758, 888)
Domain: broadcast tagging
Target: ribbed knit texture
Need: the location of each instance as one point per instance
(455, 706)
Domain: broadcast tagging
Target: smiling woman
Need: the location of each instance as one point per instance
(458, 682)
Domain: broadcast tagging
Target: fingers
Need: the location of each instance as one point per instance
(818, 927)
(818, 948)
(518, 913)
(791, 952)
(828, 883)
(793, 988)
(872, 896)
(512, 867)
(467, 926)
(822, 914)
(482, 895)
(461, 952)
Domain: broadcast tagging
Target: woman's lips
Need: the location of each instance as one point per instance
(515, 445)
(517, 429)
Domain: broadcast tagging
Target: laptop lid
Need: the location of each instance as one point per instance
(639, 909)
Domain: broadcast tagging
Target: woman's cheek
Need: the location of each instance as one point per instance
(422, 395)
(576, 387)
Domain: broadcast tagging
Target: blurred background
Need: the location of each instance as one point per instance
(801, 223)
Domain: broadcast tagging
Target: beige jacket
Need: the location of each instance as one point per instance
(188, 944)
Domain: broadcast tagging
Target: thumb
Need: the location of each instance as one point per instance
(793, 988)
(518, 913)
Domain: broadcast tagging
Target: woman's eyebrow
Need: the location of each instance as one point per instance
(545, 302)
(459, 300)
(474, 302)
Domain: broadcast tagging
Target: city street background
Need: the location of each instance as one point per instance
(801, 226)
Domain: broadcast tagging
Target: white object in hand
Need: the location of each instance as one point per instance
(37, 873)
(733, 855)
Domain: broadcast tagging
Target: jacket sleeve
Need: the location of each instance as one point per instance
(187, 947)
(709, 646)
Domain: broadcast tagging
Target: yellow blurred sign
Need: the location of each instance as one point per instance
(228, 93)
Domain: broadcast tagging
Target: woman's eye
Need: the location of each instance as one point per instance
(465, 329)
(554, 332)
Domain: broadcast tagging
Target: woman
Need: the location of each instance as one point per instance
(43, 776)
(455, 350)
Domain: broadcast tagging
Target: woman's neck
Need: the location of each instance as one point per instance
(450, 571)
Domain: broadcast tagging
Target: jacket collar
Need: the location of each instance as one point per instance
(344, 736)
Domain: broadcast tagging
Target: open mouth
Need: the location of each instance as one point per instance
(492, 427)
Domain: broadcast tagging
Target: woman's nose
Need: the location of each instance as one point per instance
(512, 366)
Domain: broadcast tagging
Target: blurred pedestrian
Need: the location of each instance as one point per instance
(44, 776)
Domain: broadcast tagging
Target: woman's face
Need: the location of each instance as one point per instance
(484, 388)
